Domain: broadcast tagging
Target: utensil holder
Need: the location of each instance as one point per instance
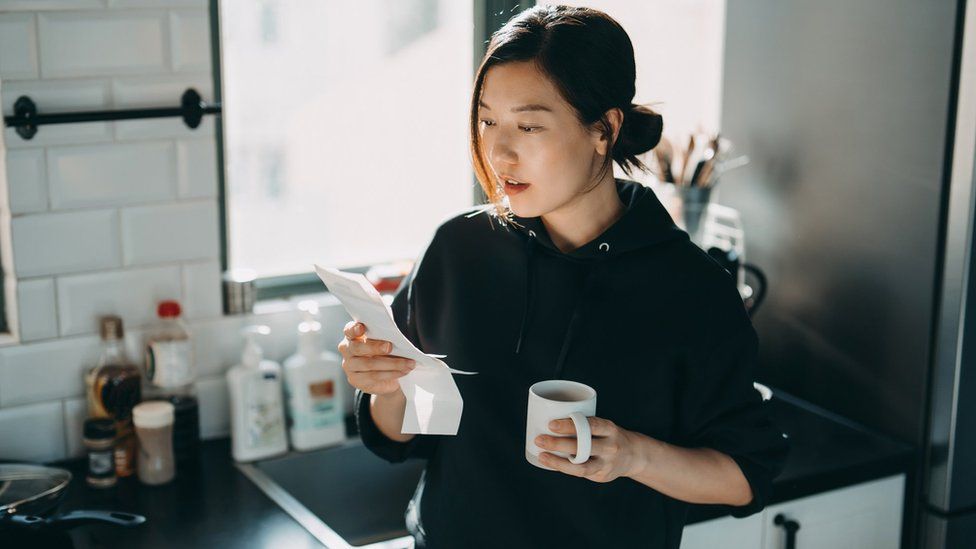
(693, 203)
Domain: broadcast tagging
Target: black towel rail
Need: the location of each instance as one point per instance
(26, 119)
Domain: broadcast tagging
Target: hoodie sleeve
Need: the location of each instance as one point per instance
(420, 446)
(721, 409)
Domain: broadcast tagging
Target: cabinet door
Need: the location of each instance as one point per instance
(725, 532)
(863, 516)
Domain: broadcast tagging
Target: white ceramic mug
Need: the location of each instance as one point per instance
(559, 399)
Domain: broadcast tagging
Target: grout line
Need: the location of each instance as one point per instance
(57, 306)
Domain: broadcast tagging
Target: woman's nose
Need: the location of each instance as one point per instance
(500, 152)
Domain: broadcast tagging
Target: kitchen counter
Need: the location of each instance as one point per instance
(214, 505)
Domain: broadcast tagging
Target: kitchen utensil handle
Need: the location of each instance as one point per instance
(79, 517)
(791, 526)
(583, 437)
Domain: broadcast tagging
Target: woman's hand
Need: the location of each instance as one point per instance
(614, 451)
(367, 364)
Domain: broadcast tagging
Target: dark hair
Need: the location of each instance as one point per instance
(589, 58)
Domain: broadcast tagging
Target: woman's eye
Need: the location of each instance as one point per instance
(486, 122)
(527, 128)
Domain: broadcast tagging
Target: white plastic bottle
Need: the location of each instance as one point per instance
(257, 416)
(313, 378)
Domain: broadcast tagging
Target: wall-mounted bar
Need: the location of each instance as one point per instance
(26, 119)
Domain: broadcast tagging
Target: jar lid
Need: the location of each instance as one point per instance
(168, 309)
(99, 428)
(153, 413)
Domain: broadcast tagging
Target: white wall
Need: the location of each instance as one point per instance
(109, 217)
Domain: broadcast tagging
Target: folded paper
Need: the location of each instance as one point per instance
(433, 401)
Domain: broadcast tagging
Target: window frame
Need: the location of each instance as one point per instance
(489, 15)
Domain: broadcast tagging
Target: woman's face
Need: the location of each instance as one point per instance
(530, 134)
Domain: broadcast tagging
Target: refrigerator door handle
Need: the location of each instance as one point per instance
(791, 526)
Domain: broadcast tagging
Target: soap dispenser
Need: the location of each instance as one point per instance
(313, 378)
(257, 415)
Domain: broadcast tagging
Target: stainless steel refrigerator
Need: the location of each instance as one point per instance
(859, 119)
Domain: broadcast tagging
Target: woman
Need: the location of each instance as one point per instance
(569, 273)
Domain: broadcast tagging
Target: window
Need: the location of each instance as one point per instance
(344, 130)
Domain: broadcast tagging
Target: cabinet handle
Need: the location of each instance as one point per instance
(791, 526)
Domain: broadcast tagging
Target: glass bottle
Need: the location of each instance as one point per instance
(114, 388)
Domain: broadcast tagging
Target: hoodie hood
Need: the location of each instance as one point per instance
(645, 223)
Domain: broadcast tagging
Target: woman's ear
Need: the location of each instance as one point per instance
(615, 117)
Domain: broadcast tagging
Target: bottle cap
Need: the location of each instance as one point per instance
(253, 354)
(168, 309)
(99, 428)
(153, 413)
(111, 327)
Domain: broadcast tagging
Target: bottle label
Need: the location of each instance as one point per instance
(323, 407)
(168, 363)
(265, 423)
(101, 464)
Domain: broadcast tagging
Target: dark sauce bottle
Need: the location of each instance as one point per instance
(114, 388)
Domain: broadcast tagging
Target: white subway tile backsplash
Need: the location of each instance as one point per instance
(214, 401)
(196, 168)
(190, 40)
(161, 128)
(117, 174)
(26, 181)
(170, 232)
(217, 343)
(53, 96)
(36, 5)
(82, 43)
(109, 217)
(132, 294)
(202, 297)
(56, 243)
(32, 433)
(75, 413)
(37, 309)
(159, 90)
(156, 3)
(18, 46)
(48, 370)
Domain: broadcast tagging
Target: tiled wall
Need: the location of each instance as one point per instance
(110, 217)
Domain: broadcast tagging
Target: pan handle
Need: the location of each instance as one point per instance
(80, 517)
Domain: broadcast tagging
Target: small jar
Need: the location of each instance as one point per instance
(154, 428)
(99, 440)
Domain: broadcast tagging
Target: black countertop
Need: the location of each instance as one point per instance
(212, 504)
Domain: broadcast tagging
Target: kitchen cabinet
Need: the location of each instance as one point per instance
(867, 515)
(728, 532)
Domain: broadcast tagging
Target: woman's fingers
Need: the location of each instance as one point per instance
(367, 364)
(377, 383)
(598, 446)
(369, 347)
(354, 330)
(377, 364)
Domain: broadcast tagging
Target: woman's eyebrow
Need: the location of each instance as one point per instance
(522, 108)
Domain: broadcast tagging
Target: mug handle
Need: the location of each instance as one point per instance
(583, 438)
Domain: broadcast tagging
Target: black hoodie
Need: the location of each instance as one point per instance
(640, 313)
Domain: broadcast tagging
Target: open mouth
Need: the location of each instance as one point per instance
(514, 186)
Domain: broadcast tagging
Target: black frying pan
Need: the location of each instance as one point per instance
(29, 493)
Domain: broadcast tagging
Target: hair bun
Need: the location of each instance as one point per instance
(641, 131)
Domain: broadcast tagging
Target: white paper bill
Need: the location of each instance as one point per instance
(434, 403)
